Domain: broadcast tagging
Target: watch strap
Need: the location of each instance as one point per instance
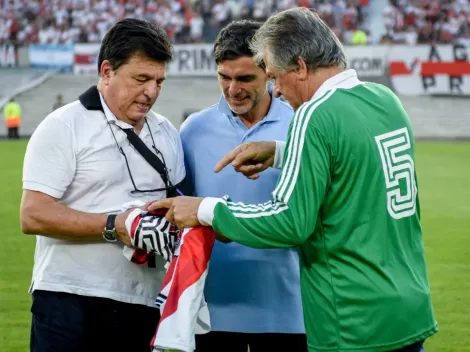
(110, 222)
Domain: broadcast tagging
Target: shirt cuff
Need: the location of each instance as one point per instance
(205, 212)
(279, 154)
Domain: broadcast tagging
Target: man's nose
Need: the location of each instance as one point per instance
(151, 89)
(234, 88)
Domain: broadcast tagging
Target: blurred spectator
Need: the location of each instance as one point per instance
(196, 25)
(186, 21)
(359, 37)
(220, 14)
(58, 103)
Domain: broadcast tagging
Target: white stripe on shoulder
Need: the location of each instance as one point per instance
(291, 170)
(300, 112)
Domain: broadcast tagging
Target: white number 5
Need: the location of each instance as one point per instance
(398, 165)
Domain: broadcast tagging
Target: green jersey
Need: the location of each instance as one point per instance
(347, 198)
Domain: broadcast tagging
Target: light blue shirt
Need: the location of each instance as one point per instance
(248, 290)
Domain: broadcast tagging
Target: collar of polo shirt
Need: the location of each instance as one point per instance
(344, 79)
(92, 99)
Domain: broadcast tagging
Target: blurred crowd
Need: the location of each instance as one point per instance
(186, 21)
(427, 21)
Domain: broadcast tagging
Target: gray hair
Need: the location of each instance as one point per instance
(297, 33)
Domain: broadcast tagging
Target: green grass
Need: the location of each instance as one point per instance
(444, 188)
(16, 253)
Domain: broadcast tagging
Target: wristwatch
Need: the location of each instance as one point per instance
(109, 233)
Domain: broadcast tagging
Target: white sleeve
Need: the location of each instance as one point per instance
(205, 212)
(279, 154)
(50, 160)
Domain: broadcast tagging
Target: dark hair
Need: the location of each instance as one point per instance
(133, 36)
(233, 41)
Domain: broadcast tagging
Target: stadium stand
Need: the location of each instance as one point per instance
(193, 21)
(427, 21)
(24, 22)
(186, 21)
(20, 77)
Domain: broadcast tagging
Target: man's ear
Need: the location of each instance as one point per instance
(302, 69)
(106, 71)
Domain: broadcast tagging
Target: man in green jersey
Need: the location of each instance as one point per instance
(347, 196)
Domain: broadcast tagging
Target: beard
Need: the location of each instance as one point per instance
(249, 102)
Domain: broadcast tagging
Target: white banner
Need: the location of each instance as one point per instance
(188, 60)
(427, 70)
(86, 59)
(368, 61)
(8, 56)
(51, 56)
(198, 60)
(192, 60)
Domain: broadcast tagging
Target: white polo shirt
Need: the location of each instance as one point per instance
(72, 156)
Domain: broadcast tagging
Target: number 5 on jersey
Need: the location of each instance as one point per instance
(399, 172)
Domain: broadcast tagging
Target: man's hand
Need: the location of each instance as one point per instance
(182, 211)
(120, 226)
(250, 158)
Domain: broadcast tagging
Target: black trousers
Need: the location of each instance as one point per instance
(218, 341)
(237, 342)
(416, 347)
(13, 133)
(65, 322)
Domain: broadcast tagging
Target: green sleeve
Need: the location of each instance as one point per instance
(289, 219)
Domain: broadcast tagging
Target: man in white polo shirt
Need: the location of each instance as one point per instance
(83, 162)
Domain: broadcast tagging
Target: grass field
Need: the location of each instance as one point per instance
(444, 186)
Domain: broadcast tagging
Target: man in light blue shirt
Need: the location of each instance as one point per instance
(253, 294)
